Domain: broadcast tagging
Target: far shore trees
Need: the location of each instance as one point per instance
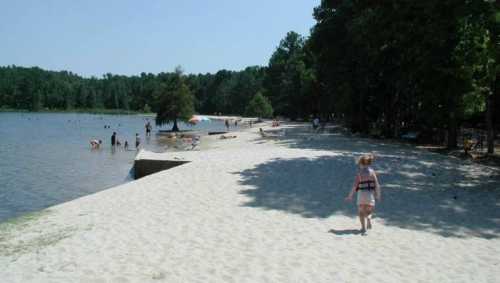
(425, 67)
(259, 107)
(173, 101)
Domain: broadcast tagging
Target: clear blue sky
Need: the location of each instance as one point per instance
(93, 37)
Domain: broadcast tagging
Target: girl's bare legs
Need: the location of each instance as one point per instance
(369, 210)
(362, 215)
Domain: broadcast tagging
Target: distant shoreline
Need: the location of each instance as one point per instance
(81, 111)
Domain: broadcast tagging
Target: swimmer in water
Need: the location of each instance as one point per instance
(95, 144)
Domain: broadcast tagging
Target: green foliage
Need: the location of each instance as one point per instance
(173, 101)
(260, 107)
(33, 89)
(379, 67)
(397, 66)
(289, 78)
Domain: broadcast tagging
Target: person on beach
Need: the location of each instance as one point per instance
(315, 123)
(113, 139)
(223, 137)
(195, 143)
(125, 146)
(227, 124)
(276, 123)
(367, 187)
(137, 141)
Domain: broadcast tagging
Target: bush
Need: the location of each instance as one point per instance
(260, 107)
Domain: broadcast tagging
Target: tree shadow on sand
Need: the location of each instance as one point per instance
(421, 190)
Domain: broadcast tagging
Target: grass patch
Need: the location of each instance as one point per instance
(17, 238)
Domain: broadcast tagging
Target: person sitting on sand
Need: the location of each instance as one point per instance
(367, 187)
(276, 123)
(262, 133)
(195, 142)
(95, 144)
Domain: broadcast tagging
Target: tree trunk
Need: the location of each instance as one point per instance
(452, 130)
(397, 116)
(175, 128)
(490, 134)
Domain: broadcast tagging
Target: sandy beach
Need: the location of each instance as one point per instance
(253, 209)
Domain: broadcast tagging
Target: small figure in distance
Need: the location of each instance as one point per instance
(315, 123)
(113, 139)
(227, 124)
(262, 133)
(95, 144)
(276, 123)
(125, 146)
(148, 129)
(223, 137)
(195, 142)
(137, 141)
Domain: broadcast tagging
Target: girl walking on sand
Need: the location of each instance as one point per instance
(367, 188)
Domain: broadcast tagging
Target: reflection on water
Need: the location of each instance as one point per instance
(45, 158)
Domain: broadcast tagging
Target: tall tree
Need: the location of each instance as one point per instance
(173, 101)
(260, 107)
(286, 72)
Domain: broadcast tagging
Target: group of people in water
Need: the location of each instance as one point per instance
(115, 142)
(228, 125)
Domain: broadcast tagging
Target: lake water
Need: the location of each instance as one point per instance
(45, 158)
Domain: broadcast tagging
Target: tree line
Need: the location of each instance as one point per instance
(393, 66)
(37, 89)
(381, 67)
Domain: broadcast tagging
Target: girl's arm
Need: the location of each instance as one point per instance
(378, 193)
(353, 190)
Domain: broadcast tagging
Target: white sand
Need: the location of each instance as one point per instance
(254, 210)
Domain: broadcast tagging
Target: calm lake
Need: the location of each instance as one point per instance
(45, 158)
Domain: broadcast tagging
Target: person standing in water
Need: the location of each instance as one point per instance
(113, 139)
(148, 129)
(137, 141)
(227, 124)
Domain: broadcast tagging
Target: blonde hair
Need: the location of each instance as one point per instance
(366, 159)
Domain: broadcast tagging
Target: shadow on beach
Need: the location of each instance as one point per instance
(421, 190)
(345, 232)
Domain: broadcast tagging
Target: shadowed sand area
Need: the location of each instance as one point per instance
(422, 190)
(252, 209)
